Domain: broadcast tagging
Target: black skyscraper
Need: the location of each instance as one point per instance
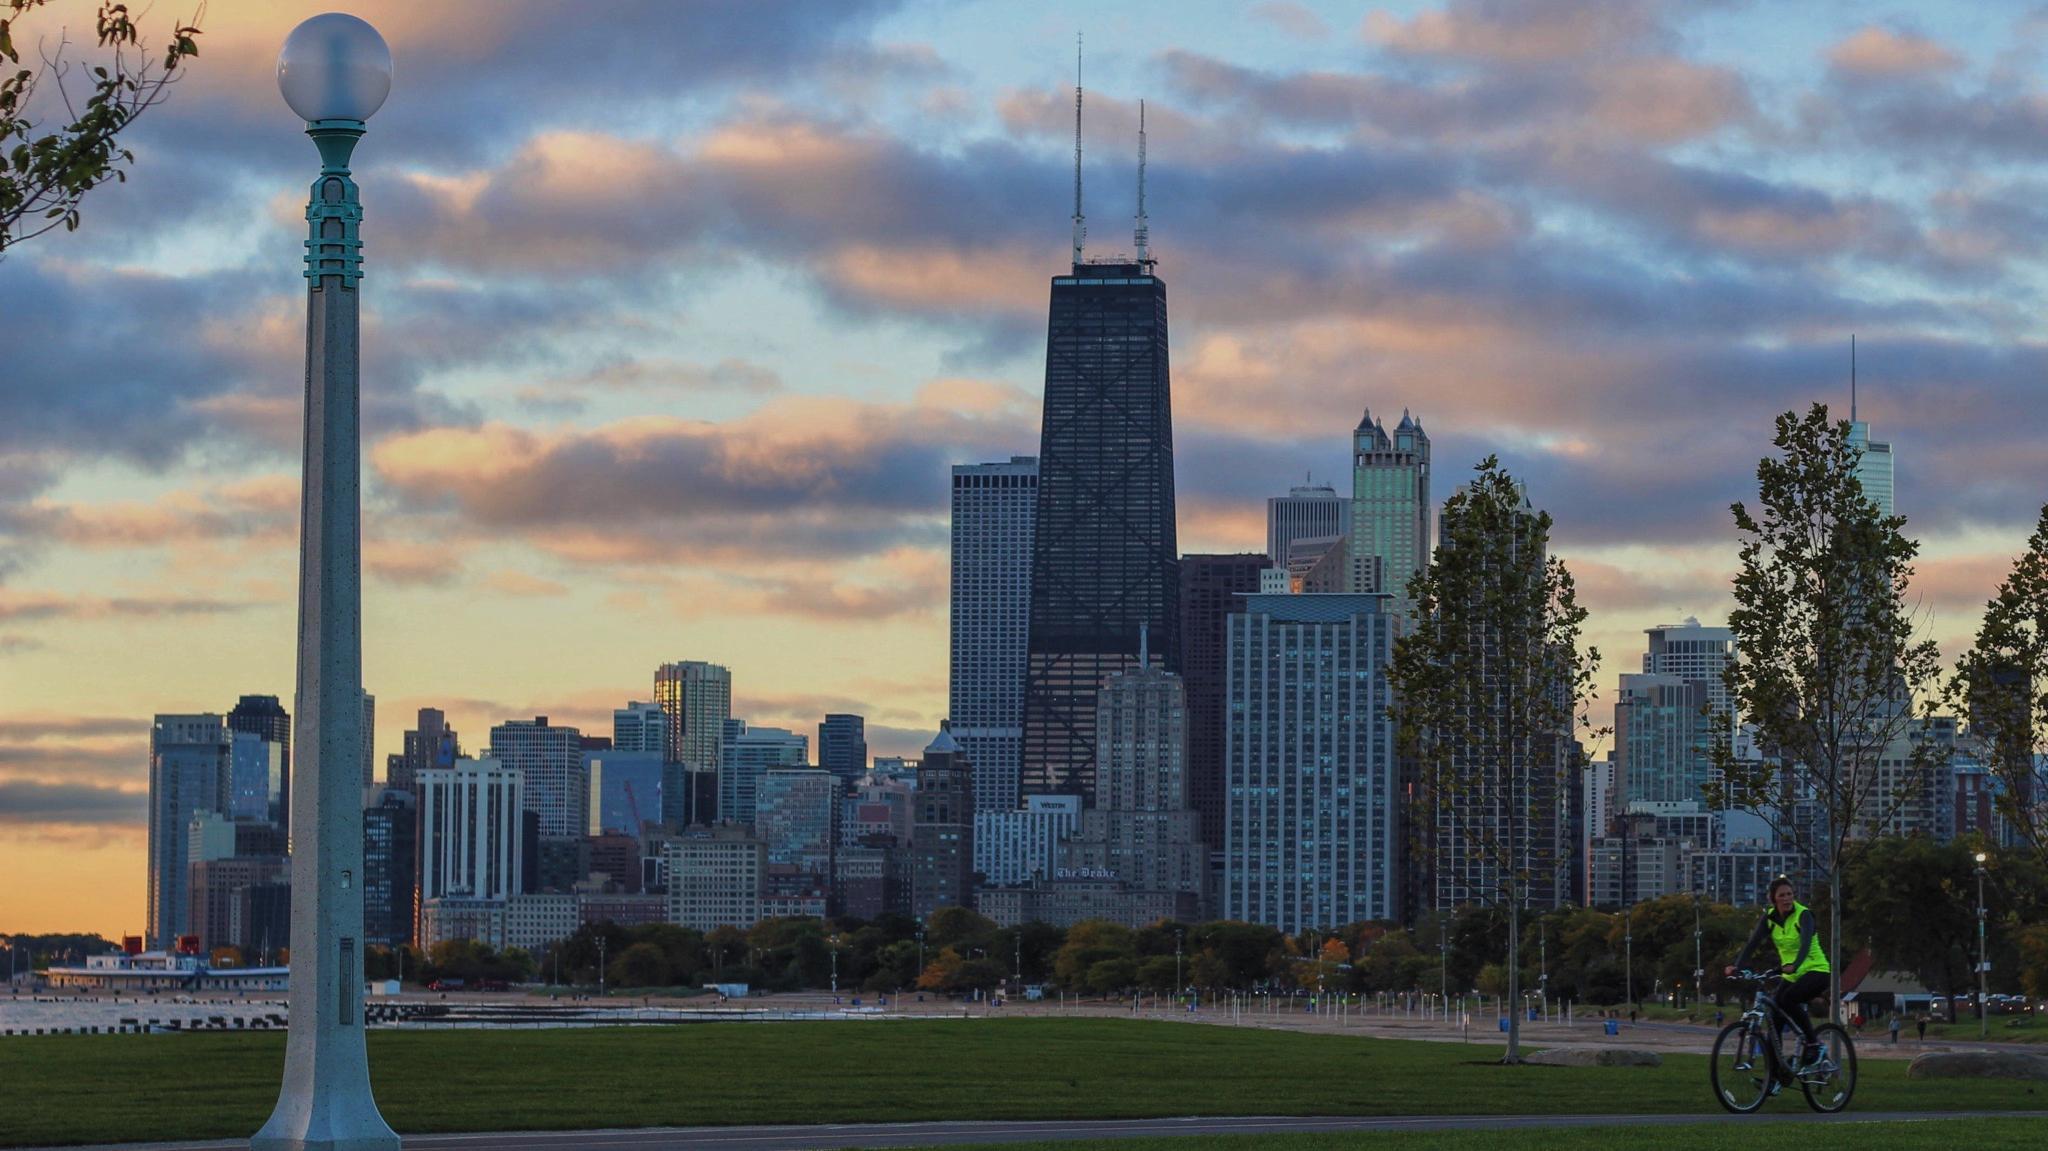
(843, 746)
(1212, 589)
(1104, 558)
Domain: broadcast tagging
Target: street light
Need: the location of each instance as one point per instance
(835, 965)
(334, 72)
(1699, 965)
(1983, 957)
(1177, 984)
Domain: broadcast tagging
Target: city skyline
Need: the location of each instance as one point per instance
(1341, 232)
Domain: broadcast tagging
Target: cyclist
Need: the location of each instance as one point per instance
(1793, 931)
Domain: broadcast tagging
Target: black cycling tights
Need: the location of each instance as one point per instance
(1794, 996)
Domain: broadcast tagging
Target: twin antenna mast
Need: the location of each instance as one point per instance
(1142, 232)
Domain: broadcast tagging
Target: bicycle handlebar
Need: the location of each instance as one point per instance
(1772, 976)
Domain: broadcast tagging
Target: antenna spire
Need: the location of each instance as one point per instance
(1080, 221)
(1852, 377)
(1144, 230)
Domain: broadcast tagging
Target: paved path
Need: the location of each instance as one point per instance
(848, 1135)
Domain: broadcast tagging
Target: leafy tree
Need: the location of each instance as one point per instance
(1826, 665)
(1111, 976)
(1916, 907)
(1159, 974)
(641, 965)
(1244, 950)
(1090, 942)
(46, 171)
(2034, 960)
(1490, 684)
(2001, 683)
(1394, 963)
(958, 927)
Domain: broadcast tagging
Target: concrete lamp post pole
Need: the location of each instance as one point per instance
(334, 71)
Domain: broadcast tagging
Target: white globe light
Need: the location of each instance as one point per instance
(334, 67)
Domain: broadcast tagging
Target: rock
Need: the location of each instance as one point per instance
(1597, 1057)
(1979, 1065)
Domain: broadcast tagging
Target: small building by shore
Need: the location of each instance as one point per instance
(165, 971)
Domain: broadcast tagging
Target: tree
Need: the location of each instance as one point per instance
(641, 965)
(1826, 665)
(1090, 942)
(2001, 683)
(45, 173)
(1489, 687)
(2034, 960)
(1916, 908)
(1112, 976)
(1159, 975)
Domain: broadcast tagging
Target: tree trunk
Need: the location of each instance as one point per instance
(1835, 943)
(1514, 977)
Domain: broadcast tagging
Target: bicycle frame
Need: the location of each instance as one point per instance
(1770, 1022)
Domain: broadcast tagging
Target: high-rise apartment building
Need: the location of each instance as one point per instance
(549, 757)
(994, 507)
(188, 776)
(942, 829)
(1662, 742)
(430, 745)
(1390, 508)
(697, 698)
(1310, 771)
(1212, 589)
(1140, 830)
(390, 866)
(796, 816)
(843, 747)
(749, 753)
(1311, 511)
(1697, 655)
(1104, 557)
(641, 727)
(471, 841)
(255, 777)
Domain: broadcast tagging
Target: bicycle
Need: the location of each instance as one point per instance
(1749, 1066)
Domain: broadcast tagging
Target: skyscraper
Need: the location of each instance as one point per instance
(749, 753)
(1310, 771)
(796, 816)
(470, 839)
(1389, 536)
(549, 759)
(1697, 655)
(625, 791)
(697, 698)
(188, 776)
(1873, 464)
(993, 510)
(369, 741)
(1104, 556)
(431, 744)
(1140, 829)
(843, 747)
(390, 866)
(1212, 589)
(265, 718)
(942, 830)
(640, 727)
(1311, 511)
(1661, 742)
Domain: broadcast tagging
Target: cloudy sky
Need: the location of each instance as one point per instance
(677, 313)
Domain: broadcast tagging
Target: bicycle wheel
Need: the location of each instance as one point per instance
(1740, 1069)
(1830, 1084)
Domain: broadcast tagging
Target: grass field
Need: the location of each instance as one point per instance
(78, 1089)
(1946, 1135)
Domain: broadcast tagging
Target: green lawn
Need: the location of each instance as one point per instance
(126, 1087)
(1945, 1135)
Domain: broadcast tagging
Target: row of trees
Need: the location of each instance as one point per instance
(1915, 910)
(1834, 673)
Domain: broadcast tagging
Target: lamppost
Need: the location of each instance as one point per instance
(1699, 966)
(1983, 958)
(920, 950)
(835, 965)
(1177, 984)
(602, 943)
(1019, 941)
(334, 72)
(1628, 941)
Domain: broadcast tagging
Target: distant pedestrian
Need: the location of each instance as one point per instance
(1893, 1027)
(1921, 1023)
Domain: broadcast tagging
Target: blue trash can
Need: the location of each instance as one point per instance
(1532, 1015)
(1503, 1023)
(1614, 1027)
